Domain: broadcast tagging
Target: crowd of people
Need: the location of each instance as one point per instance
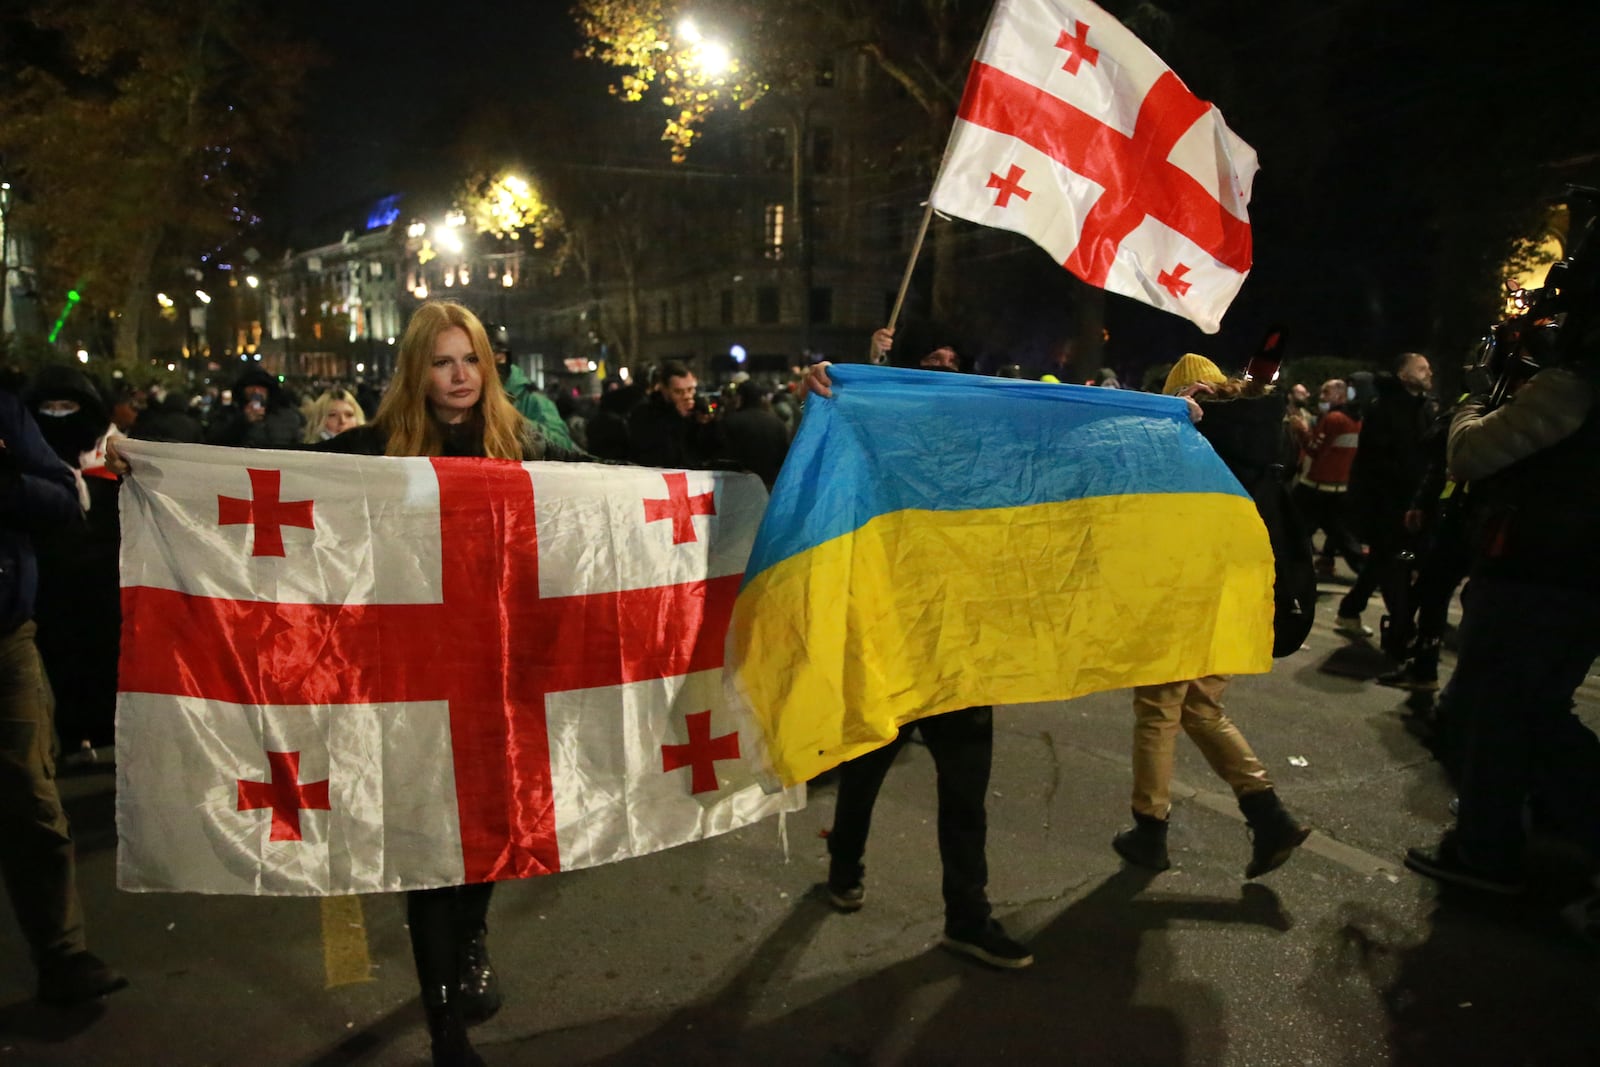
(1376, 469)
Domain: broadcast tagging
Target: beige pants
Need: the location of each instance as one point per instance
(1196, 705)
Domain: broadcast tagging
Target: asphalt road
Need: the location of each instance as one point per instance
(724, 952)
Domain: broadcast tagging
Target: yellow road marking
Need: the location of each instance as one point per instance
(344, 942)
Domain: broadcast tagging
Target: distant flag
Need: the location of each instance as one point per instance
(1074, 134)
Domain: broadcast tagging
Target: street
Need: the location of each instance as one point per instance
(725, 953)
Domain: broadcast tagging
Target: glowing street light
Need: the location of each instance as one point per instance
(164, 300)
(83, 356)
(252, 281)
(203, 296)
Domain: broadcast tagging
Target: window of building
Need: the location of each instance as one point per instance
(727, 307)
(821, 305)
(822, 150)
(767, 305)
(772, 231)
(775, 149)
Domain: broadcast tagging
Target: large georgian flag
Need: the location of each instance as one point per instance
(349, 674)
(1074, 134)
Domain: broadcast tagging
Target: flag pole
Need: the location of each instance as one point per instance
(916, 250)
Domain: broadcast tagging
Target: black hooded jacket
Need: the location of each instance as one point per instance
(280, 427)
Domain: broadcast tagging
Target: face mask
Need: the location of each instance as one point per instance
(1325, 407)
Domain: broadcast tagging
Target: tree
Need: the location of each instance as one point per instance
(136, 133)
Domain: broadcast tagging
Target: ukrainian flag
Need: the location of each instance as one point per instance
(937, 541)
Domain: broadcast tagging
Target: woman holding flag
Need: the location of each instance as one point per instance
(445, 400)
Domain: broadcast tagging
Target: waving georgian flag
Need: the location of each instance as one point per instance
(349, 674)
(1074, 134)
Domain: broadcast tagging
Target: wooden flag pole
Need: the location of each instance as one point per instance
(873, 355)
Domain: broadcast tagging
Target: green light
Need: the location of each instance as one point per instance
(73, 297)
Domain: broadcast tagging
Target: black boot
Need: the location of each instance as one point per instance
(1146, 844)
(447, 1031)
(480, 986)
(1273, 832)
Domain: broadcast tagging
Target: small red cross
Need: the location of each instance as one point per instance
(266, 510)
(701, 753)
(1174, 283)
(284, 794)
(680, 507)
(1009, 186)
(1078, 46)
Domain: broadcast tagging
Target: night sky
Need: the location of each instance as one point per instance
(1345, 206)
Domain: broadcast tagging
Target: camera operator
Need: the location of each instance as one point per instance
(1530, 630)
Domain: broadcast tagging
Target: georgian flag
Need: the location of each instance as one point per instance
(351, 675)
(1074, 134)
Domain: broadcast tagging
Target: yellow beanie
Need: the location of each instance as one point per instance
(1051, 378)
(1190, 369)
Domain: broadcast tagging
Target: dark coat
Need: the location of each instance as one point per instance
(1247, 435)
(462, 439)
(281, 427)
(1392, 458)
(659, 437)
(38, 496)
(757, 440)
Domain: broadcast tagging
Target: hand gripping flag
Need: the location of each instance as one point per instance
(938, 541)
(1074, 134)
(348, 674)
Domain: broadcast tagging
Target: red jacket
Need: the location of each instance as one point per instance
(1333, 449)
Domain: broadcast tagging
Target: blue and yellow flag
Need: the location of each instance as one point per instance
(938, 541)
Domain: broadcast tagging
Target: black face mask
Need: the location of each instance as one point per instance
(69, 435)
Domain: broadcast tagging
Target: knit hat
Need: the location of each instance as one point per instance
(1190, 369)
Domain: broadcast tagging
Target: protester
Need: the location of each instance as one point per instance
(445, 401)
(670, 429)
(530, 401)
(1530, 628)
(262, 415)
(79, 608)
(1242, 422)
(1389, 465)
(962, 745)
(331, 414)
(1321, 489)
(756, 438)
(38, 497)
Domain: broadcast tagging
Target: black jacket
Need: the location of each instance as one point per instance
(659, 437)
(38, 496)
(1392, 458)
(281, 427)
(1247, 433)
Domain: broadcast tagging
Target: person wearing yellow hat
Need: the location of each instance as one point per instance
(1244, 431)
(1192, 368)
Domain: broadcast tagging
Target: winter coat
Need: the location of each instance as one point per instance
(38, 496)
(281, 427)
(538, 408)
(460, 439)
(1534, 463)
(659, 437)
(1391, 458)
(1246, 434)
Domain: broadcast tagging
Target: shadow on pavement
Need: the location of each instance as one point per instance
(1075, 1005)
(1494, 981)
(30, 1020)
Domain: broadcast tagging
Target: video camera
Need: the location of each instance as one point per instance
(1557, 322)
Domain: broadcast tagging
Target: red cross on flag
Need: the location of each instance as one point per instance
(1074, 134)
(351, 675)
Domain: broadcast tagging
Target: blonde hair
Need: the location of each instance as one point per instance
(404, 417)
(317, 410)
